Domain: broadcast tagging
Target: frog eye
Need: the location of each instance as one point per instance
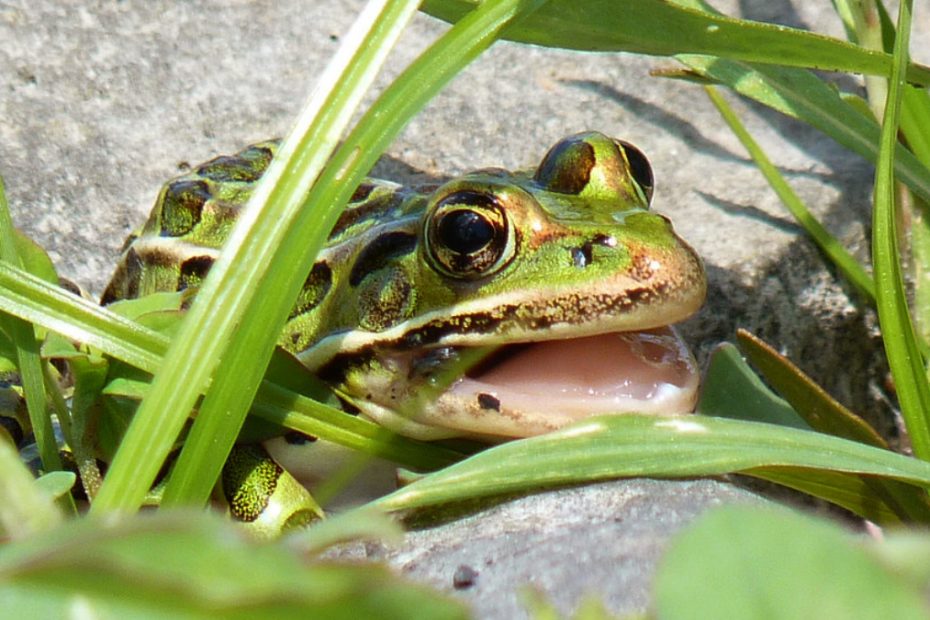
(640, 169)
(567, 166)
(468, 235)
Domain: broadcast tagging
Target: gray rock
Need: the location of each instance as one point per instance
(603, 540)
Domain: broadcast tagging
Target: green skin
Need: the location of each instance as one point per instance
(410, 281)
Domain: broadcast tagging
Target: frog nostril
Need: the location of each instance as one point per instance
(605, 240)
(581, 257)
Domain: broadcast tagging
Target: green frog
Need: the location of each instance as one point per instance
(562, 271)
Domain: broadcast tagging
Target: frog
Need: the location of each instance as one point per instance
(561, 275)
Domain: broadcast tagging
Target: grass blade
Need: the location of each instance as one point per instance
(821, 411)
(830, 245)
(802, 95)
(904, 356)
(667, 28)
(23, 336)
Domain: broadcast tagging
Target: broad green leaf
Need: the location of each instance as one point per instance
(820, 411)
(656, 446)
(34, 258)
(193, 565)
(742, 562)
(56, 483)
(25, 508)
(666, 28)
(732, 390)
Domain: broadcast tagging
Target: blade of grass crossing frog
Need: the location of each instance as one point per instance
(342, 174)
(904, 356)
(235, 284)
(830, 245)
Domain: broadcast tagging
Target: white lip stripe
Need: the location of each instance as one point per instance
(169, 246)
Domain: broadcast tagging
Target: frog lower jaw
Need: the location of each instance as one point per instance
(546, 385)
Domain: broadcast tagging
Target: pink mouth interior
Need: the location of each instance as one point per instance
(648, 372)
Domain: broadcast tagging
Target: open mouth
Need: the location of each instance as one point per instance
(565, 380)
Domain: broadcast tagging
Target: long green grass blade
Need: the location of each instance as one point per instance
(830, 245)
(667, 28)
(731, 390)
(897, 330)
(31, 299)
(802, 95)
(656, 446)
(23, 336)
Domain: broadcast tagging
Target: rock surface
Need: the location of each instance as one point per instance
(602, 540)
(103, 101)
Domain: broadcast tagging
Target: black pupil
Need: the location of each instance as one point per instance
(464, 231)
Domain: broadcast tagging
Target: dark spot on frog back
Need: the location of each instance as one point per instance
(182, 205)
(245, 167)
(314, 290)
(379, 253)
(193, 271)
(366, 206)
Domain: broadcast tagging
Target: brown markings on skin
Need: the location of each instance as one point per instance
(193, 271)
(125, 282)
(487, 401)
(314, 291)
(230, 169)
(362, 191)
(369, 210)
(642, 266)
(569, 309)
(379, 252)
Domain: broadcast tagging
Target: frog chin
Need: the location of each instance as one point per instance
(539, 387)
